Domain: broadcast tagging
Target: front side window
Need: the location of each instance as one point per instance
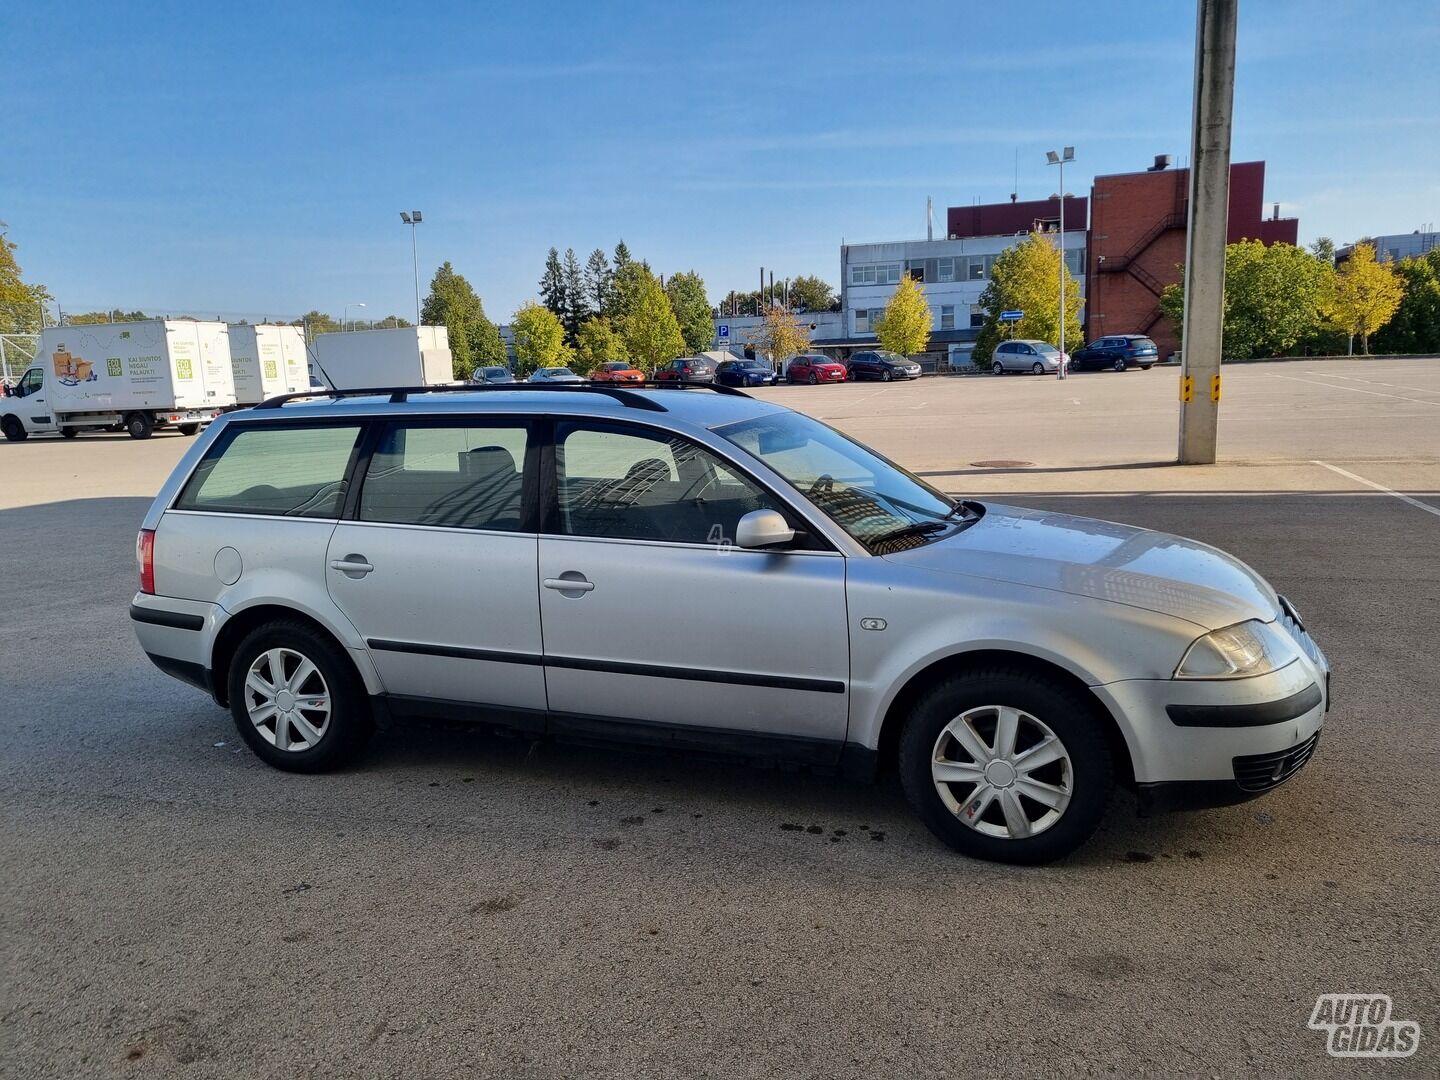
(631, 484)
(869, 497)
(462, 476)
(286, 471)
(31, 382)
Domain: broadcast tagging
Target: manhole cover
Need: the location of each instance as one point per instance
(1003, 464)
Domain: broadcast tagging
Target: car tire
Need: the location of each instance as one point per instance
(335, 735)
(1081, 779)
(1146, 367)
(886, 376)
(1037, 368)
(1119, 364)
(139, 425)
(188, 429)
(997, 368)
(13, 429)
(814, 379)
(69, 432)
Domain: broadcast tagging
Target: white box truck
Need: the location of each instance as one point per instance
(132, 376)
(267, 360)
(411, 356)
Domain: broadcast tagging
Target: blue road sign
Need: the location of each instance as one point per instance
(723, 331)
(1011, 316)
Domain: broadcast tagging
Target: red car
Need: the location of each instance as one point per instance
(617, 371)
(814, 368)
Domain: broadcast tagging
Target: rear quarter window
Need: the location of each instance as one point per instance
(284, 471)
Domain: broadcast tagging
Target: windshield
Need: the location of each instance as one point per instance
(870, 498)
(1046, 350)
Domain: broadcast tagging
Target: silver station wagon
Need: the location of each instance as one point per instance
(701, 570)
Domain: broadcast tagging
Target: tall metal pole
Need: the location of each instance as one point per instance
(415, 257)
(1201, 334)
(1060, 372)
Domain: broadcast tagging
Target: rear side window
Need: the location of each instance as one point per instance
(462, 476)
(285, 471)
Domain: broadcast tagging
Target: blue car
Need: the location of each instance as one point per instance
(745, 373)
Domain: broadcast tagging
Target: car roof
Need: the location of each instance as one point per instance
(702, 408)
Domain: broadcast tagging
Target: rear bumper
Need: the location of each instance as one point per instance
(178, 635)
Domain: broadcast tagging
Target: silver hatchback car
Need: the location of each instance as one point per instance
(1036, 357)
(702, 570)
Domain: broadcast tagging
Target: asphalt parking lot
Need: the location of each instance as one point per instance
(465, 905)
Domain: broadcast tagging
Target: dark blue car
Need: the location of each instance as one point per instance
(745, 373)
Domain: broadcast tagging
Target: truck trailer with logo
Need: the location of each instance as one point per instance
(134, 377)
(267, 360)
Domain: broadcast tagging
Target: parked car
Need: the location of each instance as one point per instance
(1117, 352)
(886, 366)
(814, 368)
(686, 369)
(492, 376)
(745, 373)
(554, 375)
(712, 571)
(617, 371)
(1036, 357)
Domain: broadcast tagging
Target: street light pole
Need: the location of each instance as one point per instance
(1052, 158)
(346, 316)
(413, 218)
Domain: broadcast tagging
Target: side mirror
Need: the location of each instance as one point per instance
(762, 529)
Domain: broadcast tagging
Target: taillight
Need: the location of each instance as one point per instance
(145, 556)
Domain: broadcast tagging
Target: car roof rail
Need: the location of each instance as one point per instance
(624, 395)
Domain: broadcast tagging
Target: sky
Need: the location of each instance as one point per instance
(251, 160)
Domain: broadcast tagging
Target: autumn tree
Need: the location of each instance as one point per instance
(780, 336)
(1416, 325)
(1026, 278)
(20, 304)
(539, 339)
(648, 328)
(474, 340)
(598, 282)
(1366, 295)
(598, 344)
(809, 293)
(692, 310)
(905, 326)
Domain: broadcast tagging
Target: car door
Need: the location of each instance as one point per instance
(650, 614)
(34, 410)
(435, 563)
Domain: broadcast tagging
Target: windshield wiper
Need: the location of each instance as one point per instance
(918, 528)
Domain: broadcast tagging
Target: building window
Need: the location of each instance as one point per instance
(862, 321)
(989, 265)
(1075, 260)
(946, 270)
(875, 274)
(977, 316)
(947, 317)
(976, 268)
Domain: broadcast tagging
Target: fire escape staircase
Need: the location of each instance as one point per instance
(1128, 262)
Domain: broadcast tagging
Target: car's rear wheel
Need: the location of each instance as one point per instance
(139, 425)
(1119, 364)
(1037, 368)
(188, 429)
(997, 368)
(13, 429)
(69, 432)
(296, 699)
(1007, 765)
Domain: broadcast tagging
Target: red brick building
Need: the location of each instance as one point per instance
(1137, 242)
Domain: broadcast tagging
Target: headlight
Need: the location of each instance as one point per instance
(1238, 652)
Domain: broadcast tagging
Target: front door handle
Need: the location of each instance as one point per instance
(355, 566)
(571, 582)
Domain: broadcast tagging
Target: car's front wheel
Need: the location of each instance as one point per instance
(885, 375)
(296, 700)
(1007, 765)
(997, 368)
(13, 429)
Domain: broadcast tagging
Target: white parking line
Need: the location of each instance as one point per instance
(1378, 487)
(1373, 382)
(1356, 389)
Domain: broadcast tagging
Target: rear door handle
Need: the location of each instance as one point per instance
(568, 584)
(353, 565)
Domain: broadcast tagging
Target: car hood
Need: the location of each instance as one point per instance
(1085, 557)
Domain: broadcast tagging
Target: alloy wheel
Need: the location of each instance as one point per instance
(287, 699)
(1002, 772)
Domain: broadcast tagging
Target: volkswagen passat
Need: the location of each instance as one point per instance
(702, 570)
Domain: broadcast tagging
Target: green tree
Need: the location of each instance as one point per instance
(780, 336)
(1366, 295)
(622, 256)
(597, 282)
(1324, 249)
(692, 310)
(452, 303)
(1026, 278)
(577, 304)
(597, 344)
(905, 326)
(809, 293)
(539, 339)
(552, 284)
(648, 328)
(1416, 325)
(115, 316)
(316, 323)
(20, 304)
(626, 285)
